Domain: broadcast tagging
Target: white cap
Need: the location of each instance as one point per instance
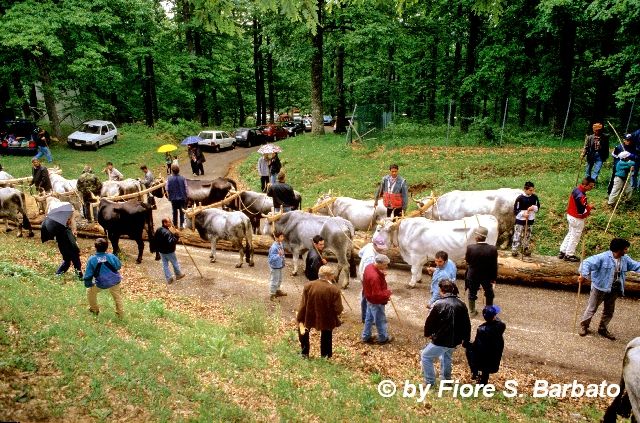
(624, 155)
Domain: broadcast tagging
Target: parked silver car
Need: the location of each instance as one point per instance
(94, 134)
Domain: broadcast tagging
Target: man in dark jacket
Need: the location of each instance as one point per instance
(282, 194)
(482, 269)
(176, 188)
(88, 184)
(40, 177)
(166, 238)
(448, 326)
(274, 168)
(375, 290)
(70, 251)
(485, 353)
(314, 259)
(596, 151)
(320, 309)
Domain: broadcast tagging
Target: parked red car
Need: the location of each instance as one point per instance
(274, 132)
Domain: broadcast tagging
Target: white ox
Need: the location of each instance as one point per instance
(116, 188)
(458, 204)
(629, 385)
(233, 226)
(419, 239)
(359, 212)
(65, 189)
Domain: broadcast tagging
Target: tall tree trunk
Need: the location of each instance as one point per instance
(566, 46)
(522, 109)
(5, 96)
(239, 98)
(603, 83)
(215, 107)
(198, 84)
(272, 98)
(19, 89)
(433, 82)
(48, 92)
(146, 90)
(317, 44)
(257, 40)
(341, 121)
(467, 98)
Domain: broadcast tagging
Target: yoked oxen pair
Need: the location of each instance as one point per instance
(126, 218)
(131, 186)
(256, 204)
(458, 204)
(299, 228)
(208, 192)
(360, 213)
(628, 400)
(11, 203)
(419, 239)
(65, 189)
(234, 226)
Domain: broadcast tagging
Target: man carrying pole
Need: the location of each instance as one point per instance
(578, 209)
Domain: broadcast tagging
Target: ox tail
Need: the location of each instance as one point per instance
(248, 236)
(152, 244)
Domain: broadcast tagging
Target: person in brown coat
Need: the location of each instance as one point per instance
(319, 309)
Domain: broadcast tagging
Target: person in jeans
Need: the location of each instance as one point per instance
(482, 269)
(176, 187)
(606, 272)
(320, 309)
(166, 238)
(276, 264)
(368, 255)
(43, 140)
(445, 269)
(378, 295)
(263, 171)
(596, 151)
(107, 259)
(448, 326)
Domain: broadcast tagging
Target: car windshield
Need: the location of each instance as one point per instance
(206, 135)
(90, 129)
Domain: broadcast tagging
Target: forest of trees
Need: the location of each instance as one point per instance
(218, 62)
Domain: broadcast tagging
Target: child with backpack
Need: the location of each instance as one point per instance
(102, 273)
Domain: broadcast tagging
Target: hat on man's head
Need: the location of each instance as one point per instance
(597, 126)
(482, 231)
(489, 312)
(382, 259)
(627, 137)
(86, 169)
(379, 242)
(624, 155)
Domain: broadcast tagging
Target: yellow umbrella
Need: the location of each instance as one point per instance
(166, 148)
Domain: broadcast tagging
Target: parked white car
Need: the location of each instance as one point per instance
(94, 134)
(216, 140)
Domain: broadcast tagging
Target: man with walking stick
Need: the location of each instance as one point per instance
(622, 172)
(525, 209)
(596, 151)
(606, 272)
(578, 209)
(378, 295)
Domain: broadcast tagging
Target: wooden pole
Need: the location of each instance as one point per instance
(619, 198)
(396, 310)
(575, 316)
(192, 260)
(616, 132)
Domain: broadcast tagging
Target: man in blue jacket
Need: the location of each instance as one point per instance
(606, 272)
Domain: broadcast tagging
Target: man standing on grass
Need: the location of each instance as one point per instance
(448, 326)
(43, 140)
(578, 209)
(596, 151)
(606, 272)
(394, 192)
(320, 309)
(525, 209)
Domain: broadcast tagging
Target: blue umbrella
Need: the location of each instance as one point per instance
(191, 140)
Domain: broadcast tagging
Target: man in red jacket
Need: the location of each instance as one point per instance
(375, 290)
(578, 210)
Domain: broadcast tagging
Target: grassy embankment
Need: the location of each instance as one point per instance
(174, 358)
(317, 165)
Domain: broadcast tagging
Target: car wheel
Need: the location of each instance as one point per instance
(114, 140)
(248, 143)
(216, 148)
(96, 146)
(275, 138)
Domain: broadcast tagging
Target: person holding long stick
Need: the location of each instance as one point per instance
(578, 209)
(621, 186)
(378, 295)
(525, 208)
(606, 273)
(596, 151)
(166, 238)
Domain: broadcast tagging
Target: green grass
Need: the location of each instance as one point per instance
(315, 165)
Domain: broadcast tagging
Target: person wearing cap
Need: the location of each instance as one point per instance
(578, 209)
(627, 145)
(314, 259)
(89, 186)
(42, 140)
(485, 353)
(606, 273)
(320, 309)
(377, 294)
(368, 256)
(623, 169)
(448, 326)
(40, 176)
(596, 151)
(525, 209)
(445, 269)
(394, 193)
(482, 269)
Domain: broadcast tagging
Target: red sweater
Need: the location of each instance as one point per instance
(578, 206)
(374, 285)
